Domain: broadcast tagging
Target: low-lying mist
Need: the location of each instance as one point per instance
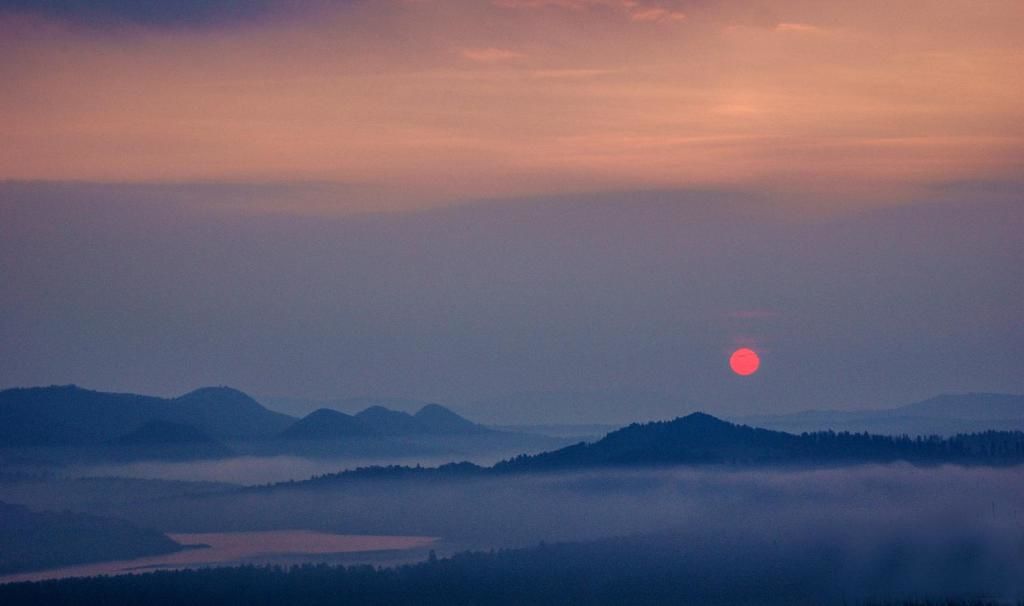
(251, 470)
(937, 530)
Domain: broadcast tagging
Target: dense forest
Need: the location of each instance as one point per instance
(616, 571)
(703, 439)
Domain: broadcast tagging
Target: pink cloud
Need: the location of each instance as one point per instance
(798, 27)
(656, 14)
(491, 55)
(635, 10)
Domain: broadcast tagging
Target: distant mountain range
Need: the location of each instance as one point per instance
(565, 413)
(300, 407)
(197, 422)
(327, 424)
(70, 415)
(944, 415)
(432, 419)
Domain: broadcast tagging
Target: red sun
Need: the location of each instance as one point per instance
(744, 361)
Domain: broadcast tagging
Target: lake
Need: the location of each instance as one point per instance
(284, 547)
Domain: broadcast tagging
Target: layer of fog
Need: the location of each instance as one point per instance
(950, 528)
(259, 470)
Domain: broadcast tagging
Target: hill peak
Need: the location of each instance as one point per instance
(434, 407)
(378, 409)
(437, 419)
(390, 422)
(702, 417)
(217, 391)
(327, 424)
(326, 413)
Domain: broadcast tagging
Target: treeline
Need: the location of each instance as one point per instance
(612, 572)
(988, 446)
(702, 439)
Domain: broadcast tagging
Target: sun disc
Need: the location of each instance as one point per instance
(744, 361)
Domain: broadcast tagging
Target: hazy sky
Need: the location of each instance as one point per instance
(430, 99)
(581, 195)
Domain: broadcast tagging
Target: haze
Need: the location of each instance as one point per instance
(594, 199)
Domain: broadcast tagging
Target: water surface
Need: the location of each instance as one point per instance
(232, 548)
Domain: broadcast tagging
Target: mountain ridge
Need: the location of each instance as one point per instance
(943, 414)
(702, 439)
(71, 415)
(326, 423)
(378, 421)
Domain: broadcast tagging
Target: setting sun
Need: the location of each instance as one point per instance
(744, 361)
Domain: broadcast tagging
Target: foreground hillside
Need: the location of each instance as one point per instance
(638, 571)
(32, 540)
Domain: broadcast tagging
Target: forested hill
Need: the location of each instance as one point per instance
(703, 439)
(649, 570)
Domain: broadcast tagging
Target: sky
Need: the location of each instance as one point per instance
(463, 200)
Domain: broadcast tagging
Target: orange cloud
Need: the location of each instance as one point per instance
(491, 55)
(562, 95)
(656, 14)
(635, 10)
(797, 27)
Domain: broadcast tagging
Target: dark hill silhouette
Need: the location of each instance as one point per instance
(167, 440)
(440, 420)
(390, 422)
(37, 540)
(70, 415)
(164, 432)
(327, 424)
(432, 419)
(227, 412)
(702, 439)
